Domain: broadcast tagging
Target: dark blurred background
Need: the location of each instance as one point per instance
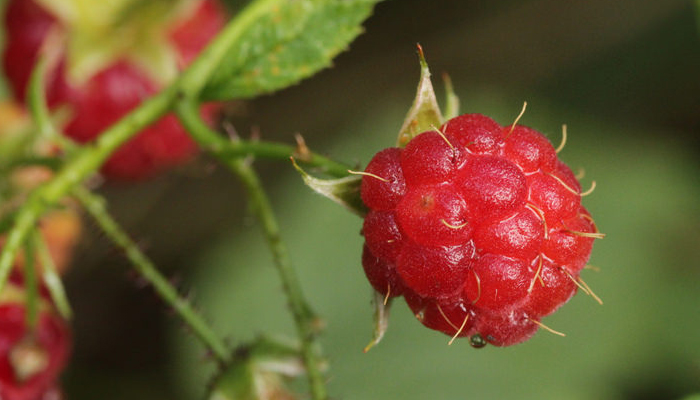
(623, 75)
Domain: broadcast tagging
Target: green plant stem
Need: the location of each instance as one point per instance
(277, 151)
(85, 162)
(40, 110)
(31, 284)
(50, 276)
(304, 318)
(37, 102)
(95, 205)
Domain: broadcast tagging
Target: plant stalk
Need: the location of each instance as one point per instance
(95, 206)
(305, 320)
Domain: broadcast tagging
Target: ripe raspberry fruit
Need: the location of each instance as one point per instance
(480, 227)
(105, 60)
(31, 360)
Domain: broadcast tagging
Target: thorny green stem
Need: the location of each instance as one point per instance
(304, 318)
(279, 151)
(50, 276)
(85, 162)
(95, 206)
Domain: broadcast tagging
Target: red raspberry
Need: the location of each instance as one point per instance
(114, 77)
(480, 227)
(31, 362)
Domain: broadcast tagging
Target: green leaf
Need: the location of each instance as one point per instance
(284, 42)
(344, 191)
(425, 112)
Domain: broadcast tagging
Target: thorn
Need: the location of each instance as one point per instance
(368, 174)
(455, 227)
(464, 323)
(537, 276)
(563, 139)
(545, 327)
(589, 191)
(540, 214)
(517, 119)
(561, 181)
(442, 135)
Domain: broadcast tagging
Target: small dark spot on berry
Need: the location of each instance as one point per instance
(427, 201)
(477, 342)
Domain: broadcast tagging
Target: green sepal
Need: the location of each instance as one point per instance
(284, 42)
(382, 305)
(344, 191)
(258, 371)
(425, 112)
(451, 99)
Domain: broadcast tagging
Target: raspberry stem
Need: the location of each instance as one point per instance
(305, 320)
(85, 161)
(31, 284)
(40, 110)
(50, 276)
(96, 207)
(276, 151)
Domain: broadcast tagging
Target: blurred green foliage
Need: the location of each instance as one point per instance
(622, 75)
